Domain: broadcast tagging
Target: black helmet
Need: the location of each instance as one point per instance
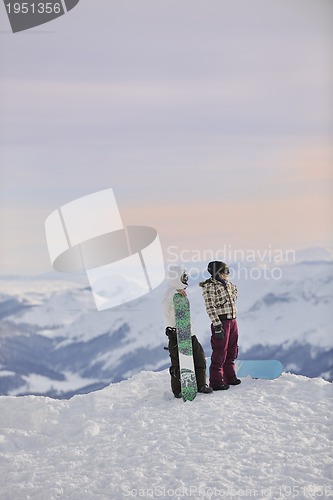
(215, 267)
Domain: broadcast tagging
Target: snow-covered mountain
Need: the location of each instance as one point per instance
(54, 342)
(261, 440)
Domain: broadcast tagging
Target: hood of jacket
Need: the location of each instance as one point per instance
(174, 276)
(215, 281)
(206, 282)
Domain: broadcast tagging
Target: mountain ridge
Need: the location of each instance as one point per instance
(51, 329)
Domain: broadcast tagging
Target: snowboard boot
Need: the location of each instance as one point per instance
(221, 387)
(206, 390)
(236, 381)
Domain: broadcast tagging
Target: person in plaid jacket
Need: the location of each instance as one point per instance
(220, 300)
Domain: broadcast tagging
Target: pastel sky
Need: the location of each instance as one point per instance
(211, 121)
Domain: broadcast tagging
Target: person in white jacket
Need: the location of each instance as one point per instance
(177, 283)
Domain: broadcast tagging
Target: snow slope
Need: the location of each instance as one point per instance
(262, 440)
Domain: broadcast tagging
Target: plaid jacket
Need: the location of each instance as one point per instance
(220, 300)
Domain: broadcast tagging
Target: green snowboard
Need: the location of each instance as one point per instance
(183, 326)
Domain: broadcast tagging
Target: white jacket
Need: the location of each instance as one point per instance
(174, 284)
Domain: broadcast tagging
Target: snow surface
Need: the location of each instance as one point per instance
(262, 440)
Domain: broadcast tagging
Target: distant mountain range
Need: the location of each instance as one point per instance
(54, 342)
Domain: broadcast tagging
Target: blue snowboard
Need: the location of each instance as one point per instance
(259, 368)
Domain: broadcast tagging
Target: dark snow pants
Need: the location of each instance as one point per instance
(224, 353)
(199, 363)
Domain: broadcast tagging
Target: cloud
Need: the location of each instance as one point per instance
(181, 108)
(23, 247)
(294, 222)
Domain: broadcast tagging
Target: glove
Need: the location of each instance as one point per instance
(219, 332)
(170, 331)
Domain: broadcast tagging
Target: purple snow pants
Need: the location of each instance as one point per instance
(224, 352)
